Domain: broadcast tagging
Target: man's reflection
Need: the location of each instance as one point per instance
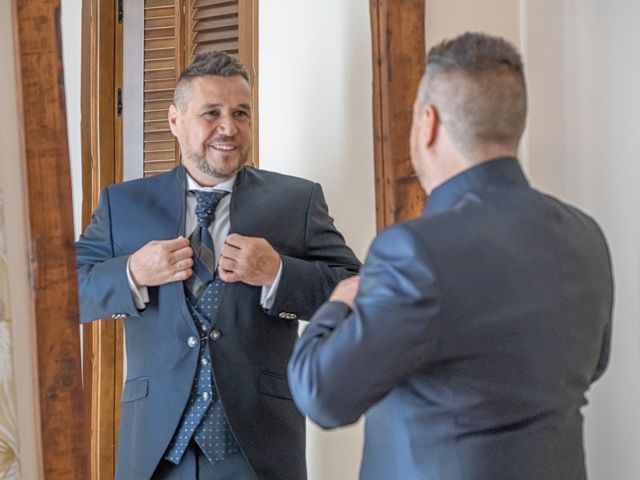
(210, 265)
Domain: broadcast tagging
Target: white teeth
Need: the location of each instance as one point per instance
(226, 148)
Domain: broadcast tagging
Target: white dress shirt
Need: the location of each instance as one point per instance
(219, 230)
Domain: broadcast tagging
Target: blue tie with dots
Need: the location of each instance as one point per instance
(204, 419)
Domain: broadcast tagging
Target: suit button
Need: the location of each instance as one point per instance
(215, 335)
(192, 341)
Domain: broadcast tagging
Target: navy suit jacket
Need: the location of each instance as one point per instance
(249, 360)
(476, 331)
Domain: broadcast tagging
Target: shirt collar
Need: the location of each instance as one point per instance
(227, 185)
(502, 171)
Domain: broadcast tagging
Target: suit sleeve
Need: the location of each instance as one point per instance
(346, 361)
(103, 287)
(307, 281)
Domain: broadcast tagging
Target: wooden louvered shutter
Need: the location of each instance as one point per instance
(174, 32)
(213, 25)
(161, 64)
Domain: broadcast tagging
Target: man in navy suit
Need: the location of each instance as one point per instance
(206, 395)
(476, 329)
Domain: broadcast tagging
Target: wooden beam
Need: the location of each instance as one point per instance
(52, 254)
(397, 28)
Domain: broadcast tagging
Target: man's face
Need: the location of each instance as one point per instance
(214, 132)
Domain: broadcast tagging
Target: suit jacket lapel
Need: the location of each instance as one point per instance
(178, 196)
(237, 216)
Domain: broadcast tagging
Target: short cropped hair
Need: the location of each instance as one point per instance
(476, 84)
(205, 64)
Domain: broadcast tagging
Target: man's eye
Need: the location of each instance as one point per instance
(242, 113)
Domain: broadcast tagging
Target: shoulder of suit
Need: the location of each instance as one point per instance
(154, 182)
(399, 233)
(415, 234)
(561, 205)
(252, 174)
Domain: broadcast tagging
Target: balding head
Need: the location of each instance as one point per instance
(475, 83)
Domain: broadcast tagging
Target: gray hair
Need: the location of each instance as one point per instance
(205, 64)
(476, 84)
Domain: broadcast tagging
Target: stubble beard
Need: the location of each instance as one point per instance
(200, 160)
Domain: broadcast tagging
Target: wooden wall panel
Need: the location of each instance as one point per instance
(52, 254)
(397, 28)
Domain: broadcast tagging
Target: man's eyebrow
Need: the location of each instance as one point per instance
(207, 106)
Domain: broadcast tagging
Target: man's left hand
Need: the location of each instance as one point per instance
(251, 260)
(346, 291)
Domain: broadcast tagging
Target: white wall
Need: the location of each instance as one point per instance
(71, 23)
(316, 122)
(448, 18)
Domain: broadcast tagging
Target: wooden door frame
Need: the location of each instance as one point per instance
(101, 131)
(59, 413)
(248, 53)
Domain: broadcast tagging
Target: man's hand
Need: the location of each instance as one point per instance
(251, 260)
(346, 291)
(161, 261)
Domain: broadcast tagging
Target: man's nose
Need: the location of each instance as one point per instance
(227, 125)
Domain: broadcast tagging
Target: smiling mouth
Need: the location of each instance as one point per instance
(223, 147)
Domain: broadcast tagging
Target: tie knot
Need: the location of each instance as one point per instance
(206, 207)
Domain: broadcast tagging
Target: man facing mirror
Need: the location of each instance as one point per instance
(476, 329)
(210, 265)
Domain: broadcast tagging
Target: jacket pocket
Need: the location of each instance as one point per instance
(135, 389)
(275, 385)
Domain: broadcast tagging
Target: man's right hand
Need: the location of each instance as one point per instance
(161, 261)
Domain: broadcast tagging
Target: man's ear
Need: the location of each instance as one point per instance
(431, 122)
(174, 119)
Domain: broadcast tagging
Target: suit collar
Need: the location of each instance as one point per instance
(498, 172)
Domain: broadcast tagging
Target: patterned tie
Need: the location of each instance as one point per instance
(204, 258)
(204, 419)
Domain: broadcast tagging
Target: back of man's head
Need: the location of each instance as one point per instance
(211, 63)
(476, 84)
